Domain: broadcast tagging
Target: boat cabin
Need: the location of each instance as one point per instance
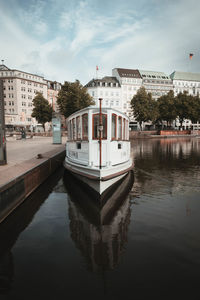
(98, 139)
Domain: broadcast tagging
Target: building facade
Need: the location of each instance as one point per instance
(156, 83)
(53, 88)
(130, 81)
(184, 81)
(20, 89)
(108, 88)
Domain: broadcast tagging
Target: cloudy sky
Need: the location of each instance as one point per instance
(67, 39)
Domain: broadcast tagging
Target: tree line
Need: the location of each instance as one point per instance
(167, 108)
(72, 97)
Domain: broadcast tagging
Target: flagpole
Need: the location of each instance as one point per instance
(97, 69)
(190, 57)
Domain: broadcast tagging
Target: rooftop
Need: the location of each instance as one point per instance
(153, 75)
(177, 75)
(128, 73)
(5, 68)
(106, 79)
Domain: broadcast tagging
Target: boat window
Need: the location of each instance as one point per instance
(119, 128)
(127, 132)
(96, 128)
(124, 129)
(114, 127)
(85, 126)
(104, 122)
(69, 130)
(73, 129)
(78, 128)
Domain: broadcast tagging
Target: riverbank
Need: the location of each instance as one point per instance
(29, 163)
(163, 134)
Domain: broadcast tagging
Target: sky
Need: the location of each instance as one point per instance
(65, 40)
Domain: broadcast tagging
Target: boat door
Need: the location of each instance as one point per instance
(99, 135)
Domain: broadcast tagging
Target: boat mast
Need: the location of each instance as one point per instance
(100, 133)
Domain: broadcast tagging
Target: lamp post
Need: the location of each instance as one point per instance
(3, 159)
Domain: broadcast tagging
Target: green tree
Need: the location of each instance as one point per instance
(73, 97)
(167, 108)
(42, 110)
(194, 108)
(140, 104)
(182, 104)
(153, 109)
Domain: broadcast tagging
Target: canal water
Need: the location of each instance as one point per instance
(54, 247)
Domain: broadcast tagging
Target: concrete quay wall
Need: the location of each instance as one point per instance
(14, 192)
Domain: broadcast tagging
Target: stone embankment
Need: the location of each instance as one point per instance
(163, 133)
(29, 163)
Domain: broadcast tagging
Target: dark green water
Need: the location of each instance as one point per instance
(53, 248)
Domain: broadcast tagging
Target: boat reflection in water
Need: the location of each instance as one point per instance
(99, 226)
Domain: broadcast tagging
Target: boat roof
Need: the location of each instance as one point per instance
(97, 108)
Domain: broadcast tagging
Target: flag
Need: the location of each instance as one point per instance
(97, 68)
(190, 55)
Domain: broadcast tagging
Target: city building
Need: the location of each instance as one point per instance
(185, 81)
(189, 82)
(130, 81)
(156, 83)
(107, 88)
(53, 88)
(20, 89)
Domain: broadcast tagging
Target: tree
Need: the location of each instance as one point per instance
(141, 105)
(42, 110)
(153, 109)
(73, 97)
(182, 105)
(166, 107)
(194, 109)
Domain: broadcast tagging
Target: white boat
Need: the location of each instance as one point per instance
(98, 146)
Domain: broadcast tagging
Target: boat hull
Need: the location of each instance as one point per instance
(99, 209)
(99, 179)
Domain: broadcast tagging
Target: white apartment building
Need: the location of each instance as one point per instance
(185, 81)
(20, 89)
(107, 88)
(130, 81)
(189, 82)
(156, 83)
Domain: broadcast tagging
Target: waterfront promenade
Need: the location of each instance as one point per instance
(23, 155)
(29, 163)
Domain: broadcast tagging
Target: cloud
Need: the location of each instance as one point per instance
(34, 17)
(67, 40)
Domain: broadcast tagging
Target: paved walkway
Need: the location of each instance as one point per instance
(22, 155)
